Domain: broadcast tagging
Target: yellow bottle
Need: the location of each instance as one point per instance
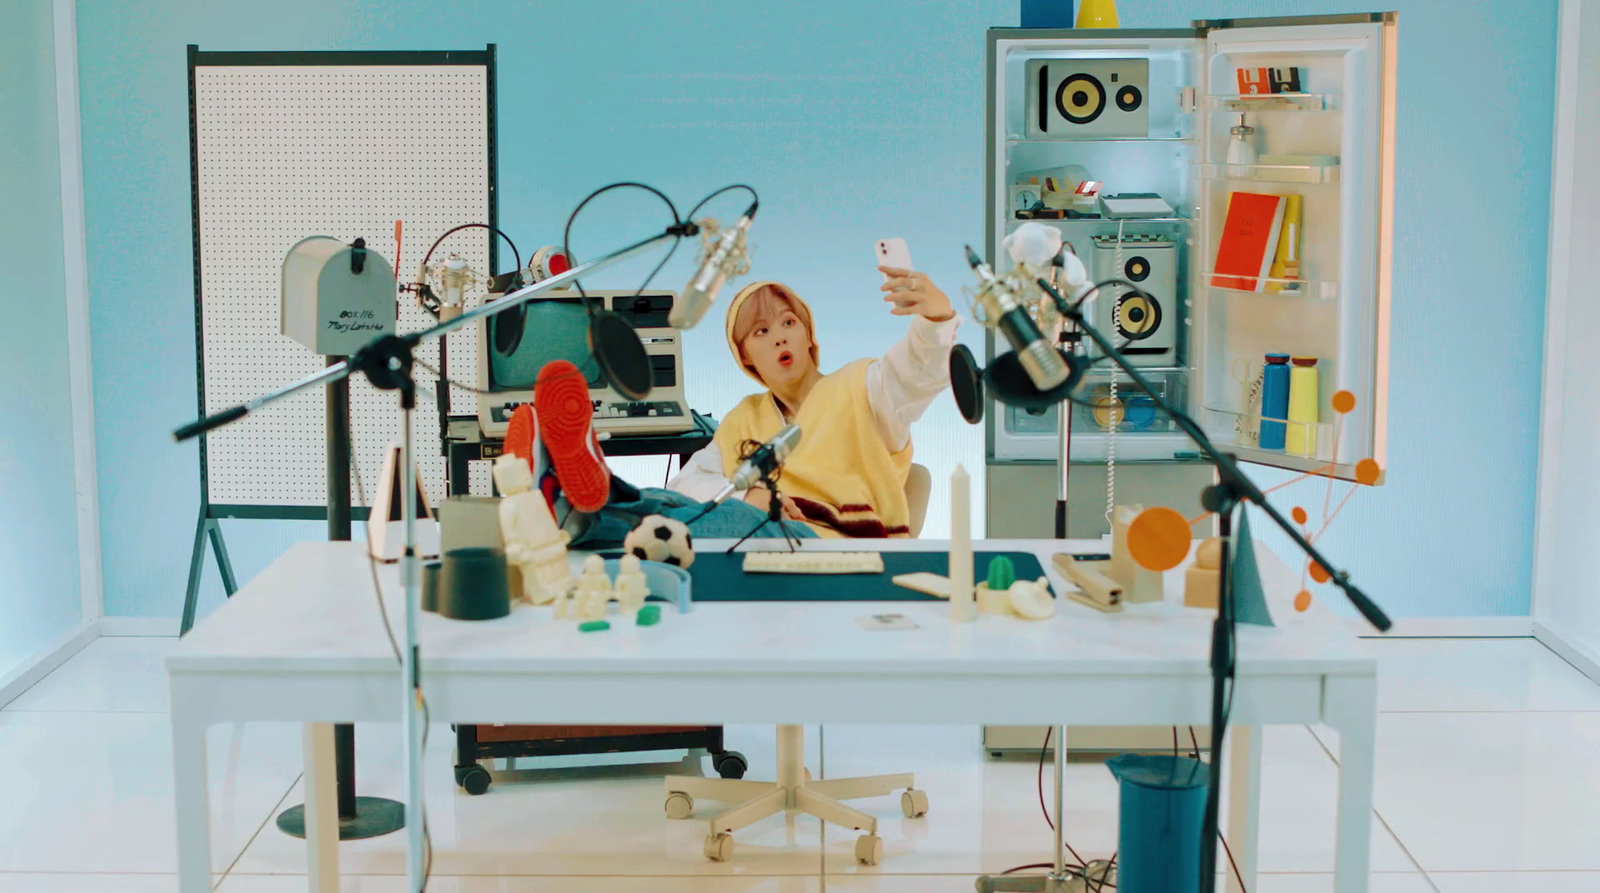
(1098, 14)
(1301, 437)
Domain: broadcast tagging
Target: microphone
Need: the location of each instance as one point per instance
(1001, 309)
(726, 260)
(763, 462)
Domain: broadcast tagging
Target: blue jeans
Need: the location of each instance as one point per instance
(732, 519)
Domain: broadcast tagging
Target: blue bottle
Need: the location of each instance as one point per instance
(1274, 401)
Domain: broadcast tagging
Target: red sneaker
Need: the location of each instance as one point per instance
(565, 416)
(522, 432)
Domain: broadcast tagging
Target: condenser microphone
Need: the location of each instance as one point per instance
(767, 458)
(724, 261)
(1002, 310)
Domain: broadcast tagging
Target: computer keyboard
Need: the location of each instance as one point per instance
(813, 563)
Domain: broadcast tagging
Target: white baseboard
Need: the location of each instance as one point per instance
(41, 664)
(1580, 655)
(139, 626)
(1450, 628)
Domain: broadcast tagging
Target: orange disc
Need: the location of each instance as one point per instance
(1158, 539)
(1302, 600)
(1299, 515)
(1343, 402)
(1368, 472)
(1320, 573)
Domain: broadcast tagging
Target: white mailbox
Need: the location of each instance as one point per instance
(334, 297)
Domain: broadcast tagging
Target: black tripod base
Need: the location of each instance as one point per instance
(374, 817)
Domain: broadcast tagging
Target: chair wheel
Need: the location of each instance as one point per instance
(914, 803)
(869, 849)
(473, 779)
(679, 805)
(730, 764)
(719, 847)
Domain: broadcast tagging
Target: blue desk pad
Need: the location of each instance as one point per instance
(719, 577)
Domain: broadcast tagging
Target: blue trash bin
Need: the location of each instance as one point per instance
(1163, 804)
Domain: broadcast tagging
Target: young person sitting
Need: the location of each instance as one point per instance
(846, 477)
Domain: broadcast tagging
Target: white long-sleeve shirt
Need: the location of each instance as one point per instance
(900, 387)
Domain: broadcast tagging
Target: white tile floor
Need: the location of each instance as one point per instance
(1486, 782)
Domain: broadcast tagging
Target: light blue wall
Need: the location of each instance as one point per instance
(39, 600)
(856, 120)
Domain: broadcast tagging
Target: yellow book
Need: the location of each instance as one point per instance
(1286, 265)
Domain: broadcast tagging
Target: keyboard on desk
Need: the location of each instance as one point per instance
(642, 417)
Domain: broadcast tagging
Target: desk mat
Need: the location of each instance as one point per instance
(719, 577)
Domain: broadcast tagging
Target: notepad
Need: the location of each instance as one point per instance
(1249, 241)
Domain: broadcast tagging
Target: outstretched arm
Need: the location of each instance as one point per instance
(908, 378)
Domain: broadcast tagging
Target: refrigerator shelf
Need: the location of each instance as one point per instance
(1235, 103)
(1271, 173)
(1306, 289)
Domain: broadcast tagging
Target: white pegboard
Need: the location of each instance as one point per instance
(480, 477)
(284, 152)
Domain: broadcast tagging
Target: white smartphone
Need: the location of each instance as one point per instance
(893, 253)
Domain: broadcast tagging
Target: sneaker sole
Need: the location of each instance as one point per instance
(565, 415)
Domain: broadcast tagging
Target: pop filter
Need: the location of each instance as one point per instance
(622, 357)
(1010, 384)
(966, 383)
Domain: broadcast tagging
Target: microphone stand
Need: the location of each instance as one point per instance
(1231, 490)
(769, 480)
(387, 361)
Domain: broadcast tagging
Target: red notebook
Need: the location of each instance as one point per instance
(1249, 241)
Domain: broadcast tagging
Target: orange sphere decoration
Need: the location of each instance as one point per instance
(1158, 539)
(1302, 600)
(1368, 472)
(1320, 573)
(1299, 515)
(1344, 402)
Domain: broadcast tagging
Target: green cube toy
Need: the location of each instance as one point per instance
(593, 626)
(649, 615)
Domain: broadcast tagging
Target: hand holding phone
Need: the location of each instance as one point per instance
(893, 253)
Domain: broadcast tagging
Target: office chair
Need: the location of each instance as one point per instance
(793, 789)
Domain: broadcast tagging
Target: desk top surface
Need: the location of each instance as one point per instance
(314, 611)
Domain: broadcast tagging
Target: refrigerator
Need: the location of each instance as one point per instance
(1129, 142)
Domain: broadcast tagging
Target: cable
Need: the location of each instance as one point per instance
(566, 232)
(703, 202)
(372, 561)
(515, 254)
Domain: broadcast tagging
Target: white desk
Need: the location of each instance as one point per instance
(303, 643)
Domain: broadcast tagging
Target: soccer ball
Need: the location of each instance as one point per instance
(659, 538)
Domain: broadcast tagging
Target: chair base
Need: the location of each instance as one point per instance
(793, 791)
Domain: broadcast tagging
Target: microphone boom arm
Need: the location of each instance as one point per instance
(379, 356)
(1230, 476)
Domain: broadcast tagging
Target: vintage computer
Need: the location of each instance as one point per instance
(516, 344)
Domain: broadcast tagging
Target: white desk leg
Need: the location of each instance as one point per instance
(189, 783)
(322, 809)
(1350, 706)
(1244, 805)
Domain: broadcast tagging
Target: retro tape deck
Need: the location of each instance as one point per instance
(515, 345)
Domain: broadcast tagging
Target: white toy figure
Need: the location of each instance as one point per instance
(631, 586)
(533, 543)
(1031, 599)
(659, 538)
(594, 590)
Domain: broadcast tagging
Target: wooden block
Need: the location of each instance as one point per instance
(467, 522)
(1202, 587)
(925, 583)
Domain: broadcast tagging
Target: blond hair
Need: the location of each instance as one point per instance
(768, 303)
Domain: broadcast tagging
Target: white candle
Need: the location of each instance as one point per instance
(962, 607)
